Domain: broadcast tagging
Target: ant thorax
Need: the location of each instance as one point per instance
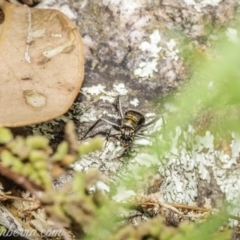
(127, 130)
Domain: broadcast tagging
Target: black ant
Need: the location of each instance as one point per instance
(128, 125)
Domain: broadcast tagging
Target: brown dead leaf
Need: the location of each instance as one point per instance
(41, 65)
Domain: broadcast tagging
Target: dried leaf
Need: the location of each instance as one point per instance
(42, 65)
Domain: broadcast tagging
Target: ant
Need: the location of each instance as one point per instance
(128, 125)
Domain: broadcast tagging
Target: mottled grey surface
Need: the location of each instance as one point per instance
(136, 51)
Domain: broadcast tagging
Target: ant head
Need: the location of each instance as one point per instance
(127, 135)
(125, 143)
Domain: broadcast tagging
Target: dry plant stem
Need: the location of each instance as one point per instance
(183, 206)
(64, 232)
(162, 205)
(174, 209)
(4, 197)
(21, 180)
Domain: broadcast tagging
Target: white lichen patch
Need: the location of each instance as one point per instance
(108, 98)
(172, 50)
(115, 116)
(146, 69)
(123, 9)
(152, 46)
(103, 94)
(198, 5)
(120, 88)
(103, 160)
(123, 194)
(88, 116)
(94, 90)
(134, 102)
(184, 166)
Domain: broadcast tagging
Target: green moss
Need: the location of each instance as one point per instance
(7, 158)
(37, 142)
(5, 135)
(62, 150)
(37, 155)
(17, 166)
(27, 169)
(41, 165)
(19, 148)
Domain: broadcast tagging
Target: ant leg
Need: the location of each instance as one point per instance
(110, 123)
(91, 128)
(108, 135)
(118, 105)
(151, 122)
(115, 136)
(147, 124)
(142, 135)
(103, 120)
(163, 122)
(95, 134)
